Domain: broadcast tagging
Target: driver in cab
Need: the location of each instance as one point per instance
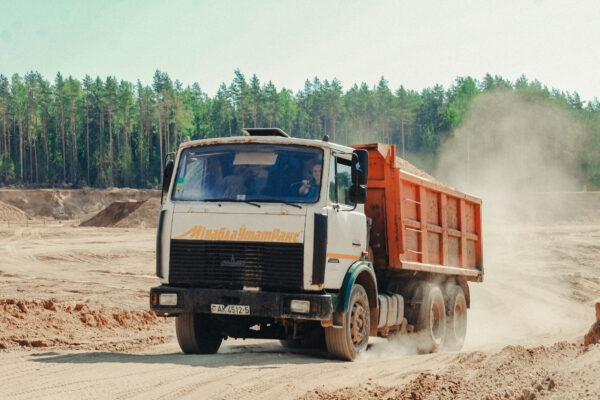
(310, 186)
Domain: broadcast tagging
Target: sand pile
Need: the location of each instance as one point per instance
(515, 372)
(11, 213)
(73, 203)
(145, 216)
(127, 214)
(46, 323)
(40, 202)
(113, 213)
(593, 336)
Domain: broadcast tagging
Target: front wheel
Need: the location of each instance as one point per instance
(347, 341)
(197, 334)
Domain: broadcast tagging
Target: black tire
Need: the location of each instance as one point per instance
(197, 335)
(456, 329)
(431, 320)
(348, 341)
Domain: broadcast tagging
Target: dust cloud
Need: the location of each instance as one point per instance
(510, 149)
(520, 156)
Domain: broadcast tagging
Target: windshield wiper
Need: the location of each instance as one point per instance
(233, 200)
(292, 204)
(254, 201)
(278, 201)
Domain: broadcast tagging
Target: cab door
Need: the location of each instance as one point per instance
(347, 228)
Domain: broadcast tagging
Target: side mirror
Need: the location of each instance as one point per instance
(360, 167)
(358, 194)
(167, 174)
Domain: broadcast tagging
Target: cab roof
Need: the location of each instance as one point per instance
(267, 135)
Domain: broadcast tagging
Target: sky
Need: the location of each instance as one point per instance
(416, 44)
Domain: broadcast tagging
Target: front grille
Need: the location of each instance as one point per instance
(235, 264)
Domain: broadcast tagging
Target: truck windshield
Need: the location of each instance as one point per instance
(249, 172)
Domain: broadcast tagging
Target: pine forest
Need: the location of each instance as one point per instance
(111, 133)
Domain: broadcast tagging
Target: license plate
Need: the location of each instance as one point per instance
(232, 309)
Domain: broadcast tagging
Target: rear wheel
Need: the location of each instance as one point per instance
(431, 320)
(197, 334)
(456, 329)
(352, 338)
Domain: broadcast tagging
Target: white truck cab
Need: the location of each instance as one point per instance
(258, 236)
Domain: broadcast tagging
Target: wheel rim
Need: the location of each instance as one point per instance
(458, 321)
(358, 323)
(436, 317)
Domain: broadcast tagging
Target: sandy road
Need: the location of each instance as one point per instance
(263, 370)
(526, 325)
(253, 370)
(105, 267)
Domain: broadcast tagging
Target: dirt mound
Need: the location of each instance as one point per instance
(11, 213)
(46, 323)
(127, 214)
(112, 214)
(73, 203)
(145, 216)
(43, 202)
(515, 372)
(593, 336)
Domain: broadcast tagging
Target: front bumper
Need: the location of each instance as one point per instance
(261, 304)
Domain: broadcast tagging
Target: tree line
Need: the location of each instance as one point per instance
(106, 132)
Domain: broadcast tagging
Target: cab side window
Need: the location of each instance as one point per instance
(340, 181)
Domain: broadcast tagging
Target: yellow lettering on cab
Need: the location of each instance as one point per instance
(240, 234)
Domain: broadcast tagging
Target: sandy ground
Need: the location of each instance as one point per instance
(74, 321)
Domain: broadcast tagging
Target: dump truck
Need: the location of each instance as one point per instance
(313, 243)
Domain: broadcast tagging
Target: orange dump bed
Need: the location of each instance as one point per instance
(418, 223)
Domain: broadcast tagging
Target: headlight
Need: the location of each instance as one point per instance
(300, 306)
(167, 299)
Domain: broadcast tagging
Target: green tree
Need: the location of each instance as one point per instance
(182, 114)
(73, 96)
(223, 112)
(331, 103)
(124, 127)
(255, 101)
(59, 100)
(385, 111)
(31, 127)
(431, 121)
(239, 90)
(270, 101)
(460, 96)
(44, 105)
(163, 90)
(111, 101)
(359, 114)
(496, 82)
(6, 164)
(408, 102)
(19, 111)
(87, 94)
(97, 102)
(144, 142)
(199, 104)
(287, 111)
